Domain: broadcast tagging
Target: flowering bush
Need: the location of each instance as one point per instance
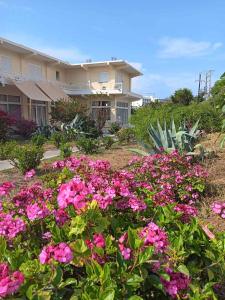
(88, 232)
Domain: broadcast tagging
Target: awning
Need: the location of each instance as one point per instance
(52, 90)
(31, 90)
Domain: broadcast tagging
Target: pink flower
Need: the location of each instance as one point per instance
(37, 211)
(9, 282)
(5, 188)
(99, 240)
(10, 227)
(61, 253)
(29, 174)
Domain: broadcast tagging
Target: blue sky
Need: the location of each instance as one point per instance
(171, 41)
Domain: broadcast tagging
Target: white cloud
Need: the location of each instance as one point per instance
(72, 55)
(185, 47)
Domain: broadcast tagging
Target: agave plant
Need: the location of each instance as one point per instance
(75, 126)
(169, 139)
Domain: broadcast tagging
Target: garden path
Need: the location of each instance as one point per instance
(5, 164)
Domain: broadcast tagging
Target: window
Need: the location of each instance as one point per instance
(11, 105)
(103, 77)
(119, 77)
(35, 72)
(101, 109)
(5, 64)
(57, 75)
(39, 112)
(122, 113)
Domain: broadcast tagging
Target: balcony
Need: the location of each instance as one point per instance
(94, 88)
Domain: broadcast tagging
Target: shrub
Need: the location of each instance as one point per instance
(45, 130)
(58, 138)
(65, 150)
(114, 127)
(208, 116)
(38, 140)
(97, 233)
(182, 96)
(64, 110)
(107, 142)
(5, 123)
(25, 128)
(125, 135)
(26, 157)
(87, 145)
(6, 148)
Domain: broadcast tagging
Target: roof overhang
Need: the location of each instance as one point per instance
(118, 64)
(29, 52)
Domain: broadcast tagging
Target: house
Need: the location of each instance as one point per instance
(30, 81)
(143, 101)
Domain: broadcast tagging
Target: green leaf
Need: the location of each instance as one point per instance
(78, 225)
(68, 281)
(79, 246)
(108, 294)
(134, 240)
(210, 274)
(58, 275)
(134, 281)
(145, 255)
(183, 269)
(135, 298)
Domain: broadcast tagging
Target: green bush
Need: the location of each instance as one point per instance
(6, 148)
(114, 127)
(26, 157)
(88, 145)
(65, 150)
(58, 138)
(38, 140)
(210, 118)
(125, 135)
(107, 142)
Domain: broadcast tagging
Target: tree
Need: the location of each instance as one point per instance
(218, 92)
(64, 111)
(182, 96)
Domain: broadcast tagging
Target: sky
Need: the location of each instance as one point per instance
(170, 41)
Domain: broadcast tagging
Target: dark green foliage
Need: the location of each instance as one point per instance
(125, 135)
(38, 140)
(114, 127)
(5, 123)
(182, 96)
(58, 138)
(87, 145)
(26, 157)
(107, 141)
(64, 111)
(6, 148)
(208, 116)
(65, 150)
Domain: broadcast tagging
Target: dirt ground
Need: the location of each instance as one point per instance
(118, 157)
(216, 189)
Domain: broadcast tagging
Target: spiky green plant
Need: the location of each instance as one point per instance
(169, 139)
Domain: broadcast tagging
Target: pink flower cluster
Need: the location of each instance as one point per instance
(151, 235)
(10, 227)
(219, 208)
(154, 236)
(61, 253)
(37, 211)
(187, 211)
(5, 188)
(10, 282)
(29, 174)
(177, 284)
(99, 242)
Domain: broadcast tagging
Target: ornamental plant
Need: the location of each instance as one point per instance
(85, 231)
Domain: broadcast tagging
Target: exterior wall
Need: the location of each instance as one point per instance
(20, 66)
